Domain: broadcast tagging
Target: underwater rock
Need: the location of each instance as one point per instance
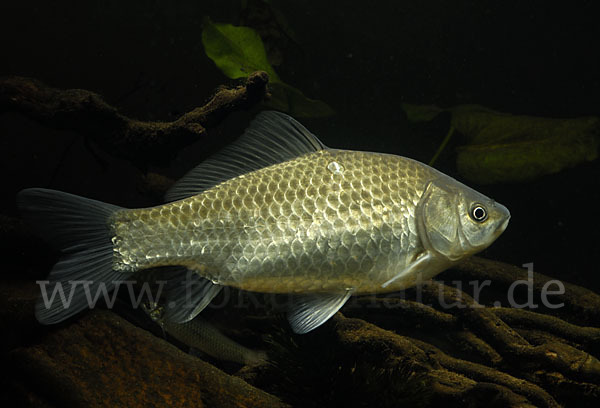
(103, 360)
(17, 303)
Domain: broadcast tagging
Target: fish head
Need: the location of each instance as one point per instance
(456, 221)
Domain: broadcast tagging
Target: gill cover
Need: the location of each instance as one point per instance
(438, 220)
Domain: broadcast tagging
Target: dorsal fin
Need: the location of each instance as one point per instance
(271, 138)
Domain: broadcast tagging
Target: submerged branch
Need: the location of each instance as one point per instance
(87, 113)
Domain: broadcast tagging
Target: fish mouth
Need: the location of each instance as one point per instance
(504, 224)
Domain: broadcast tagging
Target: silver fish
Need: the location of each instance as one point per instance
(199, 334)
(275, 212)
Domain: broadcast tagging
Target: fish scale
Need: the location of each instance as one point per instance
(327, 220)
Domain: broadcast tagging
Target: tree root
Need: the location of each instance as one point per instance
(586, 336)
(580, 304)
(446, 377)
(534, 357)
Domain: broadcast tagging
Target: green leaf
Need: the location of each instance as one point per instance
(237, 51)
(514, 148)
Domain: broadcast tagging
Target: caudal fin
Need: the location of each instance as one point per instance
(79, 227)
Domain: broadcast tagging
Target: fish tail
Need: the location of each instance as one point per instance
(80, 228)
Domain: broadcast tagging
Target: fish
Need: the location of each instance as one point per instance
(200, 335)
(275, 212)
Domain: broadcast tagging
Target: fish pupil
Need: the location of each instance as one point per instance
(479, 213)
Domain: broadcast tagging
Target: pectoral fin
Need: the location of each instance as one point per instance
(308, 312)
(417, 265)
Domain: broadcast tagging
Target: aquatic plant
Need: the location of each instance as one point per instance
(502, 147)
(239, 51)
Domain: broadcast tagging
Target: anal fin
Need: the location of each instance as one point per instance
(187, 297)
(307, 312)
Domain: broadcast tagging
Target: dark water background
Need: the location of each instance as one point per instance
(363, 58)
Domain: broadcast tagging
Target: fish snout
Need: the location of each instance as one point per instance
(503, 217)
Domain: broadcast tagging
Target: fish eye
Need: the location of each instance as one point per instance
(479, 213)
